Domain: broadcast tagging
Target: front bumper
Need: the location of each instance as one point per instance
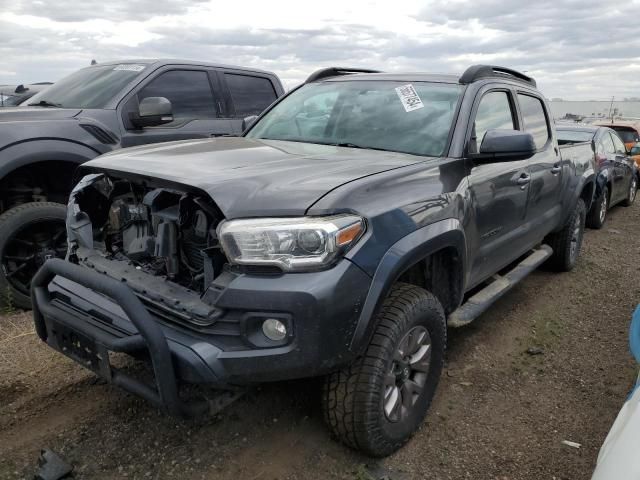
(85, 315)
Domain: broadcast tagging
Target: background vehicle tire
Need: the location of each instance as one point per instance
(598, 212)
(567, 242)
(29, 234)
(376, 404)
(632, 192)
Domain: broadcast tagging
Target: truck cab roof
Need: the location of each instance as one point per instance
(160, 62)
(472, 74)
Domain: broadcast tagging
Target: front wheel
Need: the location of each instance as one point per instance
(567, 242)
(631, 193)
(377, 404)
(29, 234)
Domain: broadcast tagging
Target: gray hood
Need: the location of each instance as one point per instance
(247, 177)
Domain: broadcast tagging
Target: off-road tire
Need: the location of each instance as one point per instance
(353, 397)
(632, 192)
(12, 221)
(594, 218)
(564, 258)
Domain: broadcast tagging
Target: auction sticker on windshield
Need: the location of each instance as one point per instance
(409, 97)
(130, 67)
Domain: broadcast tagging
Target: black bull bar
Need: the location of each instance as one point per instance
(165, 393)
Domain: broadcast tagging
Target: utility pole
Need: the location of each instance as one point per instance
(611, 109)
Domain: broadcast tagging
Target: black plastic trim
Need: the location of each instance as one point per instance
(150, 336)
(477, 72)
(336, 72)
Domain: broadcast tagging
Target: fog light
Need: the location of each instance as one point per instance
(274, 329)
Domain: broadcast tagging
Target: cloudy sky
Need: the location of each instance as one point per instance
(576, 49)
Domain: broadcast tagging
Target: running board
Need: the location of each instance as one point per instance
(481, 301)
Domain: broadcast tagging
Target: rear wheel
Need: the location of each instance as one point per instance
(29, 234)
(632, 192)
(376, 404)
(567, 242)
(598, 213)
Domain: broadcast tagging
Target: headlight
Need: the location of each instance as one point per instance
(292, 244)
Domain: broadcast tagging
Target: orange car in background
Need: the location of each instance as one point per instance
(629, 132)
(635, 153)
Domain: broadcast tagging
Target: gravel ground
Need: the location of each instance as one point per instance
(499, 413)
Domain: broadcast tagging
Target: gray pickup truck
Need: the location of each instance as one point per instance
(93, 111)
(339, 236)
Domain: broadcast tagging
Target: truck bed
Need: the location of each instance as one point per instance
(576, 151)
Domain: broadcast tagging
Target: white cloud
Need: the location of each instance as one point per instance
(574, 48)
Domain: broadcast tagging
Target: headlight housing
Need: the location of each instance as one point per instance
(291, 244)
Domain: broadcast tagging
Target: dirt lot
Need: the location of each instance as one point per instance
(500, 412)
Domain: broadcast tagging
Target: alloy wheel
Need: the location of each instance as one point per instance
(603, 208)
(29, 248)
(408, 374)
(575, 237)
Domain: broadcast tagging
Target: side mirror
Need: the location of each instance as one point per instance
(152, 111)
(247, 122)
(507, 145)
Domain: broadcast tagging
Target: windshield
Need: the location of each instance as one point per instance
(8, 100)
(386, 115)
(91, 87)
(627, 136)
(574, 136)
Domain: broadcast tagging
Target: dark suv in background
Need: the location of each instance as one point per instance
(93, 111)
(617, 176)
(13, 95)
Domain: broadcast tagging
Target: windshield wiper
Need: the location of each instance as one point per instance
(353, 145)
(331, 144)
(44, 103)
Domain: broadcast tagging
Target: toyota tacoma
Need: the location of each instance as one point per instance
(353, 222)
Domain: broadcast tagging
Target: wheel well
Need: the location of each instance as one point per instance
(441, 274)
(50, 181)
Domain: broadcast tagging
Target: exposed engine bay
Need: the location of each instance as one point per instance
(164, 233)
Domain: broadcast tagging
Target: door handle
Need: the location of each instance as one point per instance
(556, 169)
(523, 180)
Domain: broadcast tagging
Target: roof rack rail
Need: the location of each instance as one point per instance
(476, 72)
(335, 72)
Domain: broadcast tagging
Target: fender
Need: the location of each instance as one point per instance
(602, 180)
(403, 254)
(571, 199)
(43, 150)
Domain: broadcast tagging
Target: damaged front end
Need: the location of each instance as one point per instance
(161, 241)
(147, 275)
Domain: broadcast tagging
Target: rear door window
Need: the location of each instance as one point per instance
(494, 112)
(250, 95)
(534, 119)
(606, 145)
(619, 146)
(189, 92)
